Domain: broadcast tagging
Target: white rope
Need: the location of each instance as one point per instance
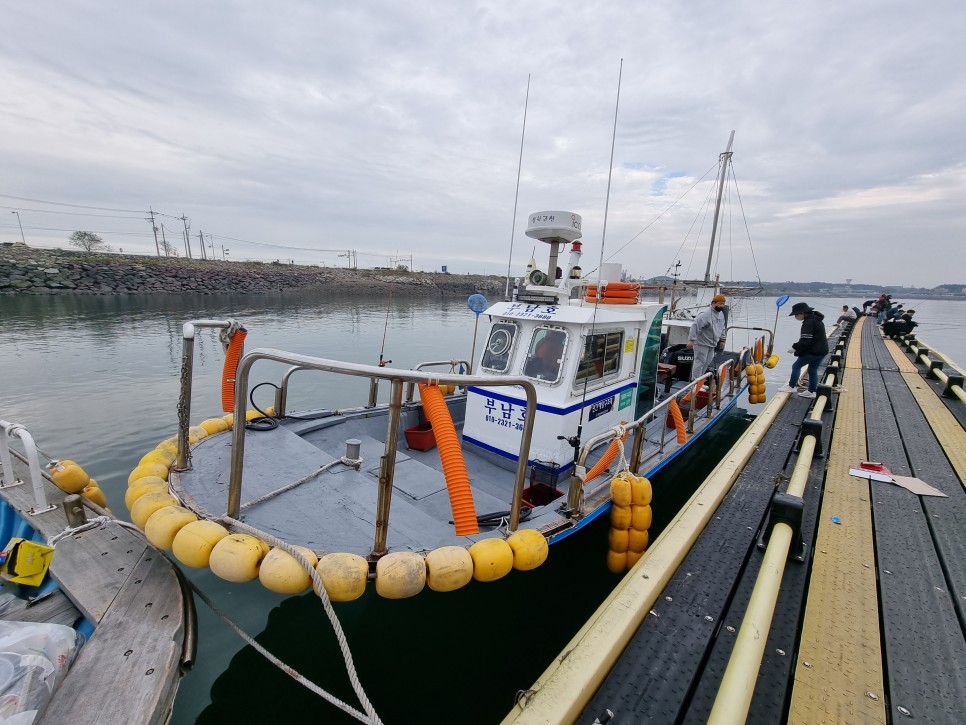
(226, 333)
(370, 715)
(351, 462)
(94, 523)
(619, 431)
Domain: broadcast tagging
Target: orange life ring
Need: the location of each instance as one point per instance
(611, 300)
(608, 292)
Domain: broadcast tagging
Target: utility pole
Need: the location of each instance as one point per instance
(187, 244)
(211, 244)
(155, 230)
(20, 224)
(201, 242)
(164, 241)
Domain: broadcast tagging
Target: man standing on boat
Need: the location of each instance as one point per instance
(707, 334)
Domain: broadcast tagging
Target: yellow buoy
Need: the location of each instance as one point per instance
(617, 561)
(195, 434)
(282, 573)
(148, 469)
(636, 540)
(617, 540)
(400, 574)
(147, 504)
(492, 559)
(641, 491)
(620, 490)
(641, 517)
(169, 444)
(165, 523)
(69, 476)
(213, 425)
(253, 415)
(148, 484)
(448, 568)
(229, 418)
(633, 557)
(772, 361)
(93, 492)
(620, 516)
(236, 558)
(192, 545)
(164, 457)
(344, 576)
(530, 549)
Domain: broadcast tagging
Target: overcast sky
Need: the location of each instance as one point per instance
(292, 130)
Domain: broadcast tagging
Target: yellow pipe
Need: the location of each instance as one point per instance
(738, 684)
(956, 390)
(567, 685)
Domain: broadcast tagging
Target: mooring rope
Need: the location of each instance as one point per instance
(369, 716)
(351, 462)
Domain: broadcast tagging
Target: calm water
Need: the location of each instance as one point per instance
(96, 379)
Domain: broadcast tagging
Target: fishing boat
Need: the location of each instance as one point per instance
(96, 625)
(471, 468)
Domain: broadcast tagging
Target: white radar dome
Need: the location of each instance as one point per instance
(554, 226)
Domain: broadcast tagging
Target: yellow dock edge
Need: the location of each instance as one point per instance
(563, 690)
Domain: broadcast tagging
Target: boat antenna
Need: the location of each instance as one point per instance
(516, 196)
(603, 233)
(725, 158)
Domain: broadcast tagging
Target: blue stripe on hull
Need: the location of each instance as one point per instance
(551, 409)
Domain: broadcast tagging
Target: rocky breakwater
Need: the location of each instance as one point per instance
(32, 271)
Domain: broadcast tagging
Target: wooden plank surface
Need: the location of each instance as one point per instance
(840, 660)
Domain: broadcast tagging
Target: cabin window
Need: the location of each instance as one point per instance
(499, 346)
(546, 354)
(600, 358)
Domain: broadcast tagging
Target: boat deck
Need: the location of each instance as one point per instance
(869, 623)
(128, 670)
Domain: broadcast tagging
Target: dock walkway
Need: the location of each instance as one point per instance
(870, 615)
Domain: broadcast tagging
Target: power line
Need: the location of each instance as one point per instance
(75, 213)
(76, 206)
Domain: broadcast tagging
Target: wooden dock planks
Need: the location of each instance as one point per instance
(838, 674)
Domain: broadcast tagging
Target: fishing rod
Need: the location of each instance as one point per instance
(516, 197)
(385, 329)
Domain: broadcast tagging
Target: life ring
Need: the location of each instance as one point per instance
(616, 293)
(611, 300)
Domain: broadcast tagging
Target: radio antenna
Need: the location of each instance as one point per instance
(516, 197)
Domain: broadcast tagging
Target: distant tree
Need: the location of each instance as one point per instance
(402, 268)
(88, 241)
(169, 249)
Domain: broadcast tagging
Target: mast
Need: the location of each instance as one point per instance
(725, 158)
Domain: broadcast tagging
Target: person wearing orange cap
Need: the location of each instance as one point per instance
(707, 334)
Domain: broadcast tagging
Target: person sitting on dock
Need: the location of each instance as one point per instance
(707, 334)
(847, 317)
(810, 350)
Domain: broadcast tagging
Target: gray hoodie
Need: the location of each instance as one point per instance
(708, 327)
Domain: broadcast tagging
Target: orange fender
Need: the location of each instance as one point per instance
(605, 460)
(678, 422)
(235, 349)
(451, 456)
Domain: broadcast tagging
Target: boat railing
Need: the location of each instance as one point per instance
(730, 370)
(397, 378)
(453, 364)
(771, 336)
(11, 430)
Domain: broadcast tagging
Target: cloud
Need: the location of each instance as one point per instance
(388, 128)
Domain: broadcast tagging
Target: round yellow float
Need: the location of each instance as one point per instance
(401, 574)
(148, 469)
(165, 523)
(147, 504)
(530, 549)
(148, 484)
(69, 476)
(236, 557)
(448, 568)
(344, 576)
(282, 573)
(214, 425)
(93, 492)
(192, 545)
(492, 559)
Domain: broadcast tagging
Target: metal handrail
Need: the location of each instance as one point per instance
(771, 335)
(411, 387)
(397, 377)
(33, 462)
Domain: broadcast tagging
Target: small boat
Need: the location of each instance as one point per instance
(96, 625)
(579, 394)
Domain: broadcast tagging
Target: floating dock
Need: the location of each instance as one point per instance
(788, 589)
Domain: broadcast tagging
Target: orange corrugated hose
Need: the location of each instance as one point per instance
(759, 350)
(605, 460)
(454, 468)
(678, 422)
(696, 391)
(235, 349)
